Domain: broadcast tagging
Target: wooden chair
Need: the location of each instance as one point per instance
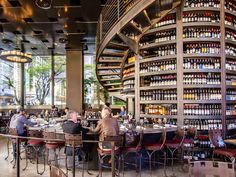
(56, 172)
(74, 141)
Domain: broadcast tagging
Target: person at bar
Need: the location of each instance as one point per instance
(106, 107)
(18, 121)
(73, 126)
(122, 111)
(107, 126)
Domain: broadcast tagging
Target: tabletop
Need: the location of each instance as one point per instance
(230, 141)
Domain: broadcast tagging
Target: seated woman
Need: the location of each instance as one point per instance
(73, 126)
(107, 126)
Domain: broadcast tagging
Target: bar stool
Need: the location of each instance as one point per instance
(117, 142)
(175, 144)
(13, 132)
(75, 143)
(133, 148)
(52, 145)
(151, 149)
(34, 145)
(219, 146)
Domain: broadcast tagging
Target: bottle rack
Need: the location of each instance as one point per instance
(182, 66)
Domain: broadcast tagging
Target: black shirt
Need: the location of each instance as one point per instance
(73, 128)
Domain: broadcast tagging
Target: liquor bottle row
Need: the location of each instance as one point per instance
(201, 125)
(108, 71)
(197, 155)
(230, 65)
(201, 17)
(159, 37)
(202, 94)
(128, 72)
(230, 20)
(230, 5)
(201, 63)
(161, 51)
(167, 20)
(213, 48)
(200, 141)
(230, 79)
(160, 80)
(230, 50)
(158, 66)
(231, 110)
(201, 33)
(231, 124)
(155, 109)
(201, 78)
(158, 95)
(230, 95)
(230, 35)
(202, 109)
(202, 3)
(125, 87)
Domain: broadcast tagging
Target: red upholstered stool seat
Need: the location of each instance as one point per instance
(226, 152)
(173, 143)
(152, 147)
(107, 151)
(35, 142)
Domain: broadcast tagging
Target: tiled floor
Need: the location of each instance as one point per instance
(6, 169)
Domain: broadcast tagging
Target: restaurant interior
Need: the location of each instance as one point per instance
(118, 88)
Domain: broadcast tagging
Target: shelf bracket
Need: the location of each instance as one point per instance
(133, 45)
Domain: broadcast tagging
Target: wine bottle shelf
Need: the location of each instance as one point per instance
(230, 72)
(199, 24)
(128, 90)
(158, 87)
(151, 59)
(230, 42)
(163, 28)
(230, 116)
(202, 86)
(159, 102)
(230, 27)
(196, 55)
(158, 116)
(158, 73)
(192, 9)
(230, 57)
(201, 101)
(202, 117)
(202, 70)
(230, 12)
(230, 101)
(152, 45)
(201, 40)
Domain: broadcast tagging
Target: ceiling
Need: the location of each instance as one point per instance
(67, 25)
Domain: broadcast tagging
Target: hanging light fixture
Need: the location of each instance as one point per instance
(16, 56)
(44, 4)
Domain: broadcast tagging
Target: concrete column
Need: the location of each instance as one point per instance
(74, 80)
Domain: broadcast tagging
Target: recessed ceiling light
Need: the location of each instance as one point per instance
(44, 4)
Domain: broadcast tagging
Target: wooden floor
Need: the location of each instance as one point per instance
(6, 169)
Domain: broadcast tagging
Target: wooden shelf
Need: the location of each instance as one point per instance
(127, 78)
(202, 117)
(128, 90)
(151, 59)
(112, 54)
(197, 24)
(230, 86)
(202, 101)
(108, 67)
(158, 73)
(202, 86)
(109, 79)
(158, 87)
(230, 27)
(230, 57)
(111, 84)
(202, 70)
(162, 28)
(128, 65)
(230, 12)
(159, 102)
(230, 116)
(230, 72)
(201, 40)
(196, 55)
(110, 61)
(157, 44)
(230, 101)
(227, 41)
(191, 9)
(158, 116)
(107, 74)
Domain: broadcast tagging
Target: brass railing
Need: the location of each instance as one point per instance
(110, 15)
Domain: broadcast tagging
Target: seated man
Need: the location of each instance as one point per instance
(72, 126)
(18, 121)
